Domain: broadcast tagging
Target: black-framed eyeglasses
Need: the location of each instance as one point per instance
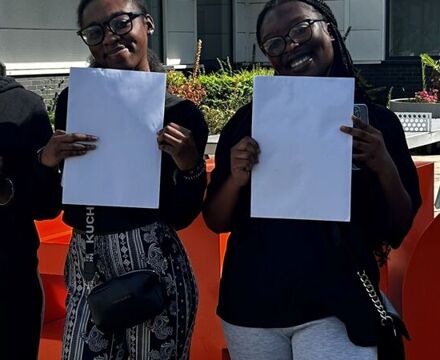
(299, 34)
(119, 24)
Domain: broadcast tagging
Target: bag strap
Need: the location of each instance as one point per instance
(385, 318)
(89, 271)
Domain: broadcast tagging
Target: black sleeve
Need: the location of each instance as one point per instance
(395, 141)
(40, 188)
(237, 128)
(180, 199)
(61, 110)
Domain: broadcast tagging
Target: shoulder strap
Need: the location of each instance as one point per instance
(89, 261)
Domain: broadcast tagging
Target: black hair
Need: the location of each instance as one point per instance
(153, 60)
(342, 63)
(2, 69)
(84, 3)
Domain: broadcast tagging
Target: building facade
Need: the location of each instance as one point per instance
(38, 43)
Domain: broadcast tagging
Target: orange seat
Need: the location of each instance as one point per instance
(421, 294)
(54, 241)
(413, 265)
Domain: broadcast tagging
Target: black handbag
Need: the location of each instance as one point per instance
(124, 301)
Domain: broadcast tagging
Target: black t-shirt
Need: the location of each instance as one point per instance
(180, 200)
(281, 273)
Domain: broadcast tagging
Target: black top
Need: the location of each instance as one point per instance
(24, 128)
(179, 203)
(282, 273)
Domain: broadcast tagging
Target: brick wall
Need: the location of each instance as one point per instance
(45, 86)
(404, 78)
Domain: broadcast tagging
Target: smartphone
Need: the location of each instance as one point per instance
(360, 111)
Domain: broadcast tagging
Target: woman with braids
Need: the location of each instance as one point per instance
(127, 239)
(289, 288)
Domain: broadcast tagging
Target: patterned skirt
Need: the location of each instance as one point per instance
(167, 336)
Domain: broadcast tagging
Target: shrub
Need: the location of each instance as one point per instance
(222, 92)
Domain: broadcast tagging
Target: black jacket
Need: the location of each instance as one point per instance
(24, 128)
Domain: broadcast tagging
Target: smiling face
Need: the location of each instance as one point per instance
(128, 51)
(312, 58)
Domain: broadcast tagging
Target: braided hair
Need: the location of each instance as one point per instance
(342, 64)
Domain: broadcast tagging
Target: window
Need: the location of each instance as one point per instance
(214, 27)
(155, 41)
(414, 27)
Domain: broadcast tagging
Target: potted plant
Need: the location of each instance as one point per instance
(425, 100)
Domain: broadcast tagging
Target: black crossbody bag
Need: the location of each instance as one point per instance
(124, 301)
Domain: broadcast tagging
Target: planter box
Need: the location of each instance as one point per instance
(406, 105)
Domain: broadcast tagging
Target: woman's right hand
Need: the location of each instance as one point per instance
(244, 155)
(62, 145)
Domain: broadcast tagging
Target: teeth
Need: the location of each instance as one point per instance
(298, 62)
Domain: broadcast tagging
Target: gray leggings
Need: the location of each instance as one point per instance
(324, 339)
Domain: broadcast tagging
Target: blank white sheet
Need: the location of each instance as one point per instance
(125, 109)
(304, 169)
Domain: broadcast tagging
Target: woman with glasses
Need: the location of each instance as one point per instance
(127, 239)
(289, 289)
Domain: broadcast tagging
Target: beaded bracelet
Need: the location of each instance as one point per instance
(11, 196)
(192, 174)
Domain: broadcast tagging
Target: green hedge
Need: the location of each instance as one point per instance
(224, 92)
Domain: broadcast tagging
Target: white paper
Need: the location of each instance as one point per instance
(125, 109)
(304, 169)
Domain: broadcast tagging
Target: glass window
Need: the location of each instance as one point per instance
(414, 27)
(214, 27)
(155, 41)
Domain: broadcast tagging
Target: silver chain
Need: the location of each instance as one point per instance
(385, 319)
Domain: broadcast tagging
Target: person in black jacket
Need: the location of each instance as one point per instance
(129, 239)
(28, 191)
(289, 288)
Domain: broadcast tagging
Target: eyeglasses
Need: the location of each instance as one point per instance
(119, 24)
(298, 33)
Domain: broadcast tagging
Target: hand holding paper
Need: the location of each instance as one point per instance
(179, 143)
(368, 146)
(244, 155)
(62, 146)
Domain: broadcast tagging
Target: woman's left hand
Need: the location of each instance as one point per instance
(368, 145)
(179, 143)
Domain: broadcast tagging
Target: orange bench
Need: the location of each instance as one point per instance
(206, 250)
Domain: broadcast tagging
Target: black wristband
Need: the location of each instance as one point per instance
(193, 174)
